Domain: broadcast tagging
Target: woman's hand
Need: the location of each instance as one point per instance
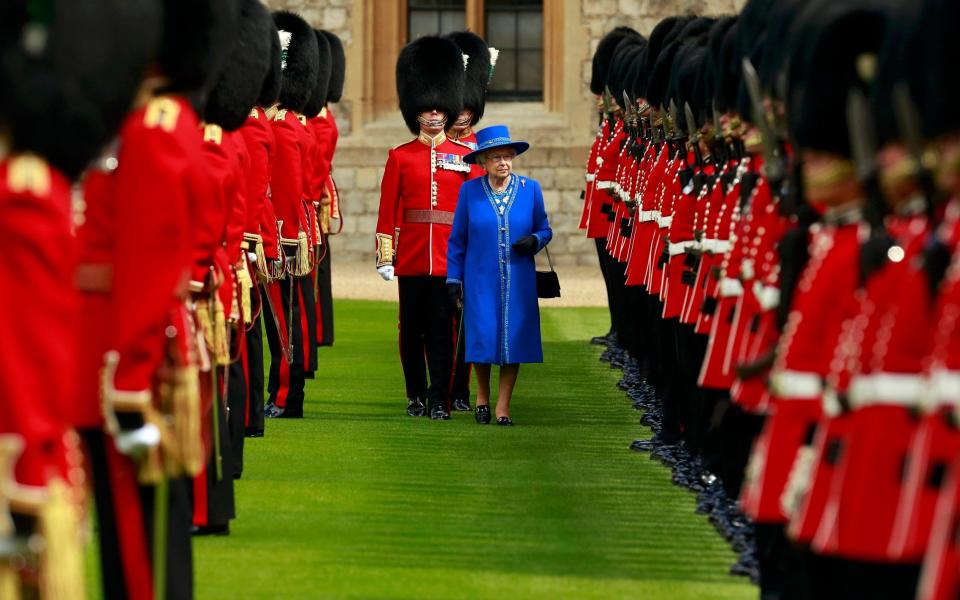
(527, 245)
(455, 293)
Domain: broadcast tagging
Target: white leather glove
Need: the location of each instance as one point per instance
(386, 272)
(136, 442)
(252, 257)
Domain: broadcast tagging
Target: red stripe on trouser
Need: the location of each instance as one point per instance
(200, 498)
(283, 385)
(304, 328)
(130, 527)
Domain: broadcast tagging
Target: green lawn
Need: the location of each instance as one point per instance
(360, 501)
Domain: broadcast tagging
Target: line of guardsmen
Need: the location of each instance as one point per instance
(775, 199)
(165, 195)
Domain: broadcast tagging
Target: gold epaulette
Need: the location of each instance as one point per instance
(281, 115)
(30, 174)
(162, 112)
(254, 113)
(213, 133)
(459, 143)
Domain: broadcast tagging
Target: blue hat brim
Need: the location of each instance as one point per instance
(520, 147)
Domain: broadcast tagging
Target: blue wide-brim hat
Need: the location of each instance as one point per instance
(495, 136)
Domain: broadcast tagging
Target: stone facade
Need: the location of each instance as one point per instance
(560, 138)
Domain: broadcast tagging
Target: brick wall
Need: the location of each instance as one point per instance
(559, 149)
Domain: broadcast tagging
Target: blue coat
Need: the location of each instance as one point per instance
(501, 313)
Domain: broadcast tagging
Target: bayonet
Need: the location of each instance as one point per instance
(773, 166)
(863, 145)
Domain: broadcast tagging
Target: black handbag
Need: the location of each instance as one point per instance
(548, 284)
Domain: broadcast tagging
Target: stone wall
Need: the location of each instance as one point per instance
(560, 143)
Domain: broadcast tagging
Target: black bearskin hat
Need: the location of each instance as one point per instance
(665, 32)
(339, 67)
(241, 80)
(658, 85)
(729, 72)
(274, 79)
(318, 99)
(478, 71)
(937, 57)
(195, 33)
(300, 60)
(604, 54)
(66, 91)
(430, 76)
(827, 44)
(621, 67)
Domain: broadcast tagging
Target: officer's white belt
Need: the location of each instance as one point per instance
(715, 246)
(664, 222)
(604, 185)
(589, 177)
(730, 287)
(646, 216)
(796, 385)
(887, 389)
(944, 387)
(681, 247)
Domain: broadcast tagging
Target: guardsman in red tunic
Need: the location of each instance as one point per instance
(324, 127)
(134, 274)
(43, 481)
(316, 178)
(227, 167)
(480, 62)
(41, 463)
(300, 65)
(262, 237)
(418, 195)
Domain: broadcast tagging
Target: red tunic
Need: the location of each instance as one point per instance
(288, 176)
(418, 222)
(260, 141)
(38, 338)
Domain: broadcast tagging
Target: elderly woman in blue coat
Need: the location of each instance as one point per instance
(499, 225)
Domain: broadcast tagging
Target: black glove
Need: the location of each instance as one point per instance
(455, 293)
(528, 244)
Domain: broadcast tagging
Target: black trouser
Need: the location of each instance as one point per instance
(664, 374)
(237, 405)
(308, 301)
(461, 371)
(220, 499)
(609, 282)
(695, 407)
(426, 329)
(286, 381)
(179, 580)
(255, 372)
(325, 295)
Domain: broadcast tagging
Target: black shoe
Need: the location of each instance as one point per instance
(461, 405)
(211, 530)
(415, 407)
(254, 433)
(272, 411)
(439, 413)
(483, 414)
(504, 421)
